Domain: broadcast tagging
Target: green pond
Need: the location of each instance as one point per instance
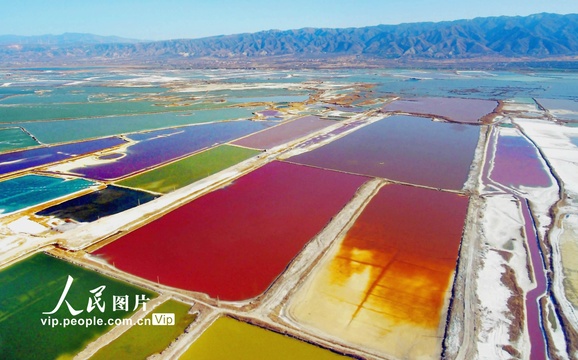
(34, 286)
(186, 171)
(142, 341)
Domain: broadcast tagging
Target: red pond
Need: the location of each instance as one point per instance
(234, 242)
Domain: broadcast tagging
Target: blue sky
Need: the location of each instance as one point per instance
(172, 19)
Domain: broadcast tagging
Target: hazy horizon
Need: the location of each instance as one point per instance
(179, 19)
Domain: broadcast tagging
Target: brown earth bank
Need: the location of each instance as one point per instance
(515, 303)
(284, 62)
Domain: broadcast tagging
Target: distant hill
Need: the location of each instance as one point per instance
(64, 39)
(532, 38)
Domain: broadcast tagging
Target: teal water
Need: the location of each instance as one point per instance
(14, 139)
(72, 130)
(16, 113)
(30, 190)
(79, 94)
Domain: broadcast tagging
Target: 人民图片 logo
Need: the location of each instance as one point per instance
(96, 305)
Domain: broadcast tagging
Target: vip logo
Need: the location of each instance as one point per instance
(163, 319)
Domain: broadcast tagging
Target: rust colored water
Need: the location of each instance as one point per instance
(386, 284)
(410, 238)
(403, 148)
(233, 243)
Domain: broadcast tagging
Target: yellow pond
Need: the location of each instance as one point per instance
(228, 338)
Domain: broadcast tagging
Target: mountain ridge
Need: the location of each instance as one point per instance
(534, 37)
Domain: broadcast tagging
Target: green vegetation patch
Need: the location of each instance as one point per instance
(14, 139)
(188, 170)
(35, 286)
(228, 338)
(142, 341)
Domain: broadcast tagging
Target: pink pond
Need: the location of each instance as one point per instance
(284, 133)
(409, 149)
(516, 163)
(454, 109)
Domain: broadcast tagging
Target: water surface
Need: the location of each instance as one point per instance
(403, 148)
(232, 243)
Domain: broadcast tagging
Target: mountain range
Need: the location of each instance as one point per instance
(535, 38)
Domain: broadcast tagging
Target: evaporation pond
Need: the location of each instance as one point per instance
(456, 109)
(386, 284)
(403, 148)
(186, 171)
(233, 242)
(14, 139)
(228, 338)
(284, 132)
(30, 190)
(90, 207)
(561, 108)
(516, 161)
(142, 341)
(157, 147)
(35, 285)
(25, 159)
(72, 130)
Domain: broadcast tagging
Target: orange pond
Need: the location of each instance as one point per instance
(233, 242)
(391, 275)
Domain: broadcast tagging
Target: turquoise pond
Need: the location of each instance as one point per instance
(31, 190)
